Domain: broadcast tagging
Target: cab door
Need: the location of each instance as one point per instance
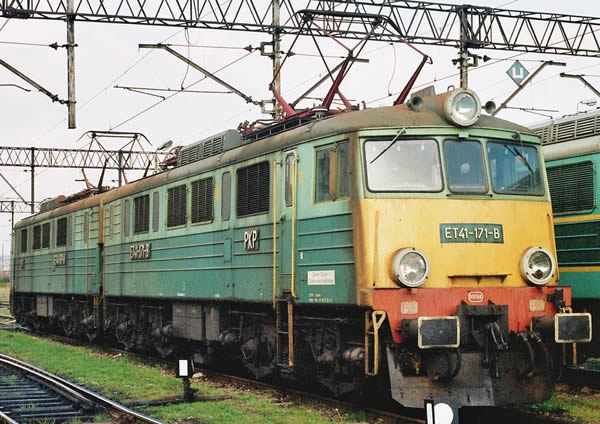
(287, 204)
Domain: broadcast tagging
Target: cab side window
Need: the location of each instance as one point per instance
(37, 237)
(45, 235)
(61, 232)
(24, 240)
(333, 179)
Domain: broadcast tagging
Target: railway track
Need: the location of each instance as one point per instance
(468, 415)
(29, 394)
(387, 417)
(24, 399)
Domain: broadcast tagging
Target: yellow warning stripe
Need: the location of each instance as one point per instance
(582, 218)
(580, 269)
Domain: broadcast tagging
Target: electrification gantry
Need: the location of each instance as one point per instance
(460, 26)
(418, 22)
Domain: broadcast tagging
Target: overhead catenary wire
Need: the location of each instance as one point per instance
(103, 90)
(19, 43)
(121, 75)
(140, 113)
(485, 65)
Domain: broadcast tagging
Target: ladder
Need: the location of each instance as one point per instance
(284, 326)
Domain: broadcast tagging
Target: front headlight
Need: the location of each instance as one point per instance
(410, 267)
(462, 107)
(538, 265)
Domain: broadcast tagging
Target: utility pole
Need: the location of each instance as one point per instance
(276, 57)
(71, 62)
(32, 180)
(463, 52)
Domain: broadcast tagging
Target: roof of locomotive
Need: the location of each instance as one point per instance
(401, 116)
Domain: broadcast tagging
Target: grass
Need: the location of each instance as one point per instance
(580, 407)
(126, 378)
(4, 291)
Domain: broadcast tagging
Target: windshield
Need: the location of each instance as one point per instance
(465, 167)
(515, 169)
(407, 165)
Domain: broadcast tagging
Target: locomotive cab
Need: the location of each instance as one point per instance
(454, 227)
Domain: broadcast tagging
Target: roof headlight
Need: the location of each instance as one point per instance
(538, 265)
(410, 267)
(462, 107)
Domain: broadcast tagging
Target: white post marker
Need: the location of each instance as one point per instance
(441, 410)
(185, 370)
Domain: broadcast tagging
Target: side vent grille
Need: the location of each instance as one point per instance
(202, 200)
(141, 217)
(253, 189)
(572, 187)
(176, 210)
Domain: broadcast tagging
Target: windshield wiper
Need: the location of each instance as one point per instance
(389, 146)
(522, 158)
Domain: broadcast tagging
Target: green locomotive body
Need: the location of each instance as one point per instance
(348, 249)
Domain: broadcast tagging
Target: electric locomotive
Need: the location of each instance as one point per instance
(410, 247)
(572, 153)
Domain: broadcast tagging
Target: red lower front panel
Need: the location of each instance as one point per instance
(402, 304)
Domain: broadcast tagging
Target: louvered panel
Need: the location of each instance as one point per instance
(553, 133)
(542, 133)
(190, 154)
(585, 127)
(572, 187)
(202, 200)
(571, 128)
(176, 210)
(566, 131)
(212, 147)
(141, 219)
(253, 189)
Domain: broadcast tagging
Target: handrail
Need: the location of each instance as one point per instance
(274, 232)
(293, 273)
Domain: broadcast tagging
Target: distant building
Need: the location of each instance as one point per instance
(4, 275)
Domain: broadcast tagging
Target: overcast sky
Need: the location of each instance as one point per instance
(108, 55)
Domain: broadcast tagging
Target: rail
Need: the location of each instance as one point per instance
(74, 391)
